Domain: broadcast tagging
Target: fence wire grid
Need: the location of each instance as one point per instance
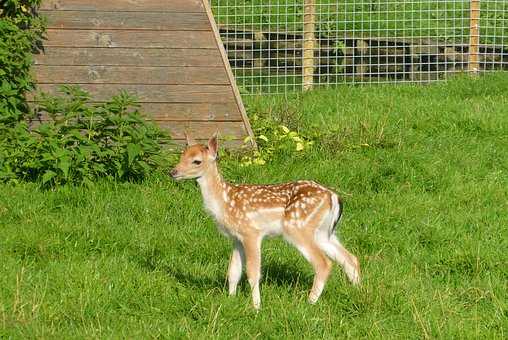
(277, 46)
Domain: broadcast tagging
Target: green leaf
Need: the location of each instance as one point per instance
(263, 137)
(64, 164)
(48, 175)
(133, 150)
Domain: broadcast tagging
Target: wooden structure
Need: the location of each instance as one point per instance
(309, 43)
(168, 53)
(474, 39)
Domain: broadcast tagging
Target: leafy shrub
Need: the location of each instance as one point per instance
(281, 129)
(78, 142)
(21, 31)
(273, 138)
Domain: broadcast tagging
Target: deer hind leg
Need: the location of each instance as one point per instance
(316, 257)
(336, 251)
(235, 267)
(347, 260)
(252, 247)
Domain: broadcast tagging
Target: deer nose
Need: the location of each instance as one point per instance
(173, 173)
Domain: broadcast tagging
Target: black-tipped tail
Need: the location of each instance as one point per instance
(339, 215)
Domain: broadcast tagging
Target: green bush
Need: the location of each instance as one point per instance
(78, 142)
(21, 31)
(273, 138)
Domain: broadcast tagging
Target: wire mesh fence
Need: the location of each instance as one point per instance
(275, 46)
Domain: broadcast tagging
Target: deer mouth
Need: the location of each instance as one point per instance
(175, 175)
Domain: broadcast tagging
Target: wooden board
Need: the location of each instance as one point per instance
(228, 130)
(128, 38)
(193, 111)
(166, 53)
(111, 20)
(180, 144)
(171, 6)
(101, 74)
(129, 57)
(156, 93)
(187, 112)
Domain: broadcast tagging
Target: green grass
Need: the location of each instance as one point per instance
(443, 20)
(423, 172)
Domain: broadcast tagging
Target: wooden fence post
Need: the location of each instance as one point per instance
(309, 43)
(474, 37)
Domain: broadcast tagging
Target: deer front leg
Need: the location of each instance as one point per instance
(252, 247)
(235, 267)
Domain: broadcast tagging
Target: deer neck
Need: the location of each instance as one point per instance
(214, 192)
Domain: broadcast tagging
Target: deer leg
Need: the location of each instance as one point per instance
(317, 258)
(252, 247)
(322, 267)
(235, 267)
(342, 256)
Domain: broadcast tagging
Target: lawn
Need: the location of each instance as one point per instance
(424, 175)
(437, 19)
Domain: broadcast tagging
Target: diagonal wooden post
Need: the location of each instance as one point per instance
(474, 37)
(309, 43)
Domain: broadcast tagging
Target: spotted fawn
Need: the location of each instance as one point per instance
(305, 213)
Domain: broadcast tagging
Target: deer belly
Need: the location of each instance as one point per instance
(230, 233)
(268, 221)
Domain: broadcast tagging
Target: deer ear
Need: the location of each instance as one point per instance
(189, 139)
(213, 145)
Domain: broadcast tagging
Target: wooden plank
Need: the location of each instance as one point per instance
(130, 75)
(128, 57)
(135, 39)
(309, 43)
(227, 130)
(236, 93)
(192, 111)
(180, 144)
(154, 93)
(197, 112)
(203, 129)
(474, 37)
(123, 5)
(127, 20)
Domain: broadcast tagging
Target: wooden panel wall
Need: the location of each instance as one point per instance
(167, 53)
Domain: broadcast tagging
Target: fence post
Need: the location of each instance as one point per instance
(474, 37)
(309, 42)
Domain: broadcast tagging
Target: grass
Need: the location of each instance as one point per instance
(423, 172)
(443, 20)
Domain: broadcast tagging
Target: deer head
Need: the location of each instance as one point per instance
(196, 159)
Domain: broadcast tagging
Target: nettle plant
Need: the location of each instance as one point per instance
(273, 138)
(21, 31)
(78, 142)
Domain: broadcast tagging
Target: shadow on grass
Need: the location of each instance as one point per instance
(153, 261)
(273, 273)
(286, 275)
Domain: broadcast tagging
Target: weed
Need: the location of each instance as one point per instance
(80, 142)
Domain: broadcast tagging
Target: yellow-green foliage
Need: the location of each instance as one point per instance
(272, 138)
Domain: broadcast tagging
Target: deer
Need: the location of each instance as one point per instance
(304, 212)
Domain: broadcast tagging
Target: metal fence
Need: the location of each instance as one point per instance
(276, 46)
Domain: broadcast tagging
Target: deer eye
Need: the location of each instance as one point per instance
(196, 161)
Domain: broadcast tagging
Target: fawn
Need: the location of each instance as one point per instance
(304, 212)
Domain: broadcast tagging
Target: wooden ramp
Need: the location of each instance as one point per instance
(167, 53)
